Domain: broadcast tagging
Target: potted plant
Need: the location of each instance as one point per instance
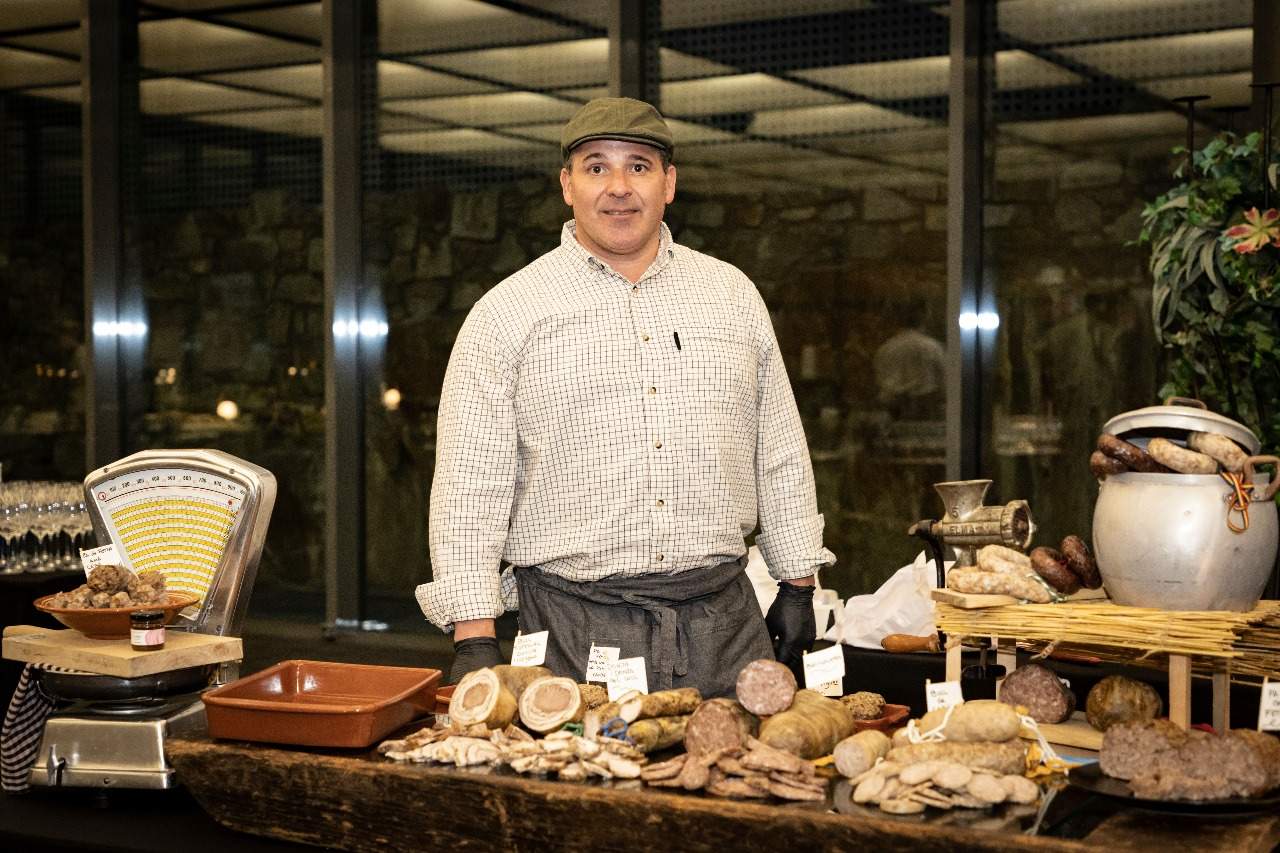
(1215, 266)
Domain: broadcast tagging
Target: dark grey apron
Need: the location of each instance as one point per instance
(694, 629)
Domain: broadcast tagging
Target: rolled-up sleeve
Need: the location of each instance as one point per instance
(476, 464)
(790, 538)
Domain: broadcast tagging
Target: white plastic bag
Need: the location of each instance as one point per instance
(902, 605)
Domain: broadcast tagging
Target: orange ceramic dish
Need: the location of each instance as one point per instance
(107, 623)
(891, 718)
(321, 703)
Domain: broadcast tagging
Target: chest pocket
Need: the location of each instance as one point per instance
(718, 370)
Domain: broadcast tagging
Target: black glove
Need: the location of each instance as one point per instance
(792, 626)
(471, 654)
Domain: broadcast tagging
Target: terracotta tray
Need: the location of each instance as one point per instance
(321, 703)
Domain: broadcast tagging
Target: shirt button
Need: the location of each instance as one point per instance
(658, 445)
(658, 558)
(661, 502)
(653, 390)
(644, 338)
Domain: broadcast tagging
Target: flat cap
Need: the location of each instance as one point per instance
(616, 118)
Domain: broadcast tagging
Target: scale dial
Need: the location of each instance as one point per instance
(174, 520)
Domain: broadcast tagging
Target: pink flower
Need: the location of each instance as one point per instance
(1258, 230)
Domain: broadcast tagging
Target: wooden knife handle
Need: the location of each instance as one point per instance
(909, 643)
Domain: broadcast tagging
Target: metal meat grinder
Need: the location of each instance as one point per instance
(968, 524)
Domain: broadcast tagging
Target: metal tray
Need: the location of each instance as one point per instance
(321, 703)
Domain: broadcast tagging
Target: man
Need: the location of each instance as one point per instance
(614, 417)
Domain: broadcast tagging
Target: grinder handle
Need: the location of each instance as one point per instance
(1253, 461)
(924, 529)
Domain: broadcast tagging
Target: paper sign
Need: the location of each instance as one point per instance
(598, 662)
(530, 649)
(625, 675)
(1269, 707)
(824, 667)
(942, 694)
(102, 556)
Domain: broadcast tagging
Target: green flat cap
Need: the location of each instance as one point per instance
(616, 118)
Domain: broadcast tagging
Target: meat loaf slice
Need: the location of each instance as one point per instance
(1128, 749)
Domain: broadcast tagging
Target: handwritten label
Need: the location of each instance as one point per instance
(105, 555)
(598, 662)
(625, 675)
(942, 694)
(530, 649)
(1269, 708)
(824, 669)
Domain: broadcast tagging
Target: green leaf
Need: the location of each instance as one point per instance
(1218, 299)
(1273, 174)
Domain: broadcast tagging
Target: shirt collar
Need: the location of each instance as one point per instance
(666, 249)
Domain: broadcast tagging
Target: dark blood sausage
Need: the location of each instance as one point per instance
(766, 687)
(1134, 457)
(718, 724)
(1034, 686)
(1052, 566)
(1080, 561)
(1102, 466)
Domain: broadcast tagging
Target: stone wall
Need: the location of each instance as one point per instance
(235, 308)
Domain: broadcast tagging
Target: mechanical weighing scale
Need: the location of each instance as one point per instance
(200, 517)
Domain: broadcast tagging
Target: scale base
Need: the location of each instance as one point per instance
(86, 749)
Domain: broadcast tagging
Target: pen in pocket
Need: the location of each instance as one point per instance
(676, 335)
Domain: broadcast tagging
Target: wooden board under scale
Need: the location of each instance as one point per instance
(73, 650)
(975, 600)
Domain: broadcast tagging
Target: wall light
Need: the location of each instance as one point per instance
(228, 410)
(363, 328)
(123, 329)
(391, 399)
(988, 321)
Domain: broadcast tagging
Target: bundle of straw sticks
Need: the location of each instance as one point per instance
(1205, 633)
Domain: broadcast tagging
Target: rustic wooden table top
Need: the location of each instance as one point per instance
(354, 800)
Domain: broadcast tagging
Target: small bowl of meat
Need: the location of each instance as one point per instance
(100, 609)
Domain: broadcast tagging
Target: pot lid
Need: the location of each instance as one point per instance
(1182, 413)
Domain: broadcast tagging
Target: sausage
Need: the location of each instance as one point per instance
(1036, 687)
(997, 583)
(996, 558)
(766, 687)
(1052, 566)
(1181, 459)
(1219, 448)
(718, 724)
(1081, 562)
(1133, 456)
(909, 643)
(1102, 466)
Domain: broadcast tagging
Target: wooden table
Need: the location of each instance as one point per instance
(360, 801)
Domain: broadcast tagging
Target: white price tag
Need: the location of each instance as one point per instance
(941, 694)
(530, 649)
(625, 675)
(1269, 707)
(824, 667)
(105, 555)
(598, 662)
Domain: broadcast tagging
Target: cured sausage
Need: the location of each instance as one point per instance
(1036, 687)
(899, 643)
(1219, 448)
(1052, 566)
(1102, 466)
(718, 724)
(998, 558)
(998, 583)
(1133, 456)
(1081, 562)
(1181, 459)
(766, 687)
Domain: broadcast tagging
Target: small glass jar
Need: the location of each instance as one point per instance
(146, 630)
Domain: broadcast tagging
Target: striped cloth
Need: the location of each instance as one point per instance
(23, 728)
